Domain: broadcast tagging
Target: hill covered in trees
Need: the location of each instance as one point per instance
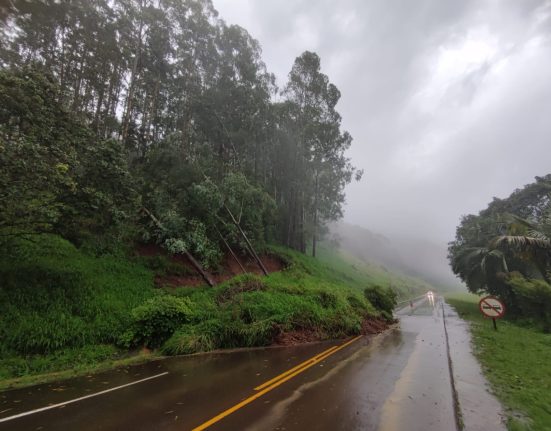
(128, 126)
(112, 107)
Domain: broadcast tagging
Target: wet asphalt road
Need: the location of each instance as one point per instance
(396, 381)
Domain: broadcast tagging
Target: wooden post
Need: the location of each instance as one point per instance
(253, 253)
(192, 260)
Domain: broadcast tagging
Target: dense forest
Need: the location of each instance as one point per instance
(505, 251)
(155, 121)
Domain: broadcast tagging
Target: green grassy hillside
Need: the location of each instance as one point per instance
(360, 274)
(65, 309)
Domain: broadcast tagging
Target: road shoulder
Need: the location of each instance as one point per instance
(480, 409)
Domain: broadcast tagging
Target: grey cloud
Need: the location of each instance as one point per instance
(436, 140)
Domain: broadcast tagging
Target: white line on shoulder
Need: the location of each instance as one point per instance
(53, 406)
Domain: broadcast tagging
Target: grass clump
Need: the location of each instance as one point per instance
(515, 360)
(156, 320)
(383, 299)
(192, 339)
(239, 285)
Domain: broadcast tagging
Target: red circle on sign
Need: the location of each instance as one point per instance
(491, 303)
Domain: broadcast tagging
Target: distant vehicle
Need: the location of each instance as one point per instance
(430, 297)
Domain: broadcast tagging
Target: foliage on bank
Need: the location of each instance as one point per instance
(65, 305)
(515, 359)
(505, 251)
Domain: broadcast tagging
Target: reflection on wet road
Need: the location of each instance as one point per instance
(395, 381)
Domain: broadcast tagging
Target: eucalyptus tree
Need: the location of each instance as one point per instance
(318, 160)
(190, 101)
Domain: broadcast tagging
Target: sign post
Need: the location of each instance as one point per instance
(492, 307)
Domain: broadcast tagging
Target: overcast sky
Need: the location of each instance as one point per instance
(449, 102)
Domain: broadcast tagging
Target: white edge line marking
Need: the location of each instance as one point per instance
(53, 406)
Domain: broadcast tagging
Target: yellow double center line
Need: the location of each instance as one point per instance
(275, 382)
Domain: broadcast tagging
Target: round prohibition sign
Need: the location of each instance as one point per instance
(491, 307)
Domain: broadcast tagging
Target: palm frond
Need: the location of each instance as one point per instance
(521, 242)
(538, 234)
(523, 222)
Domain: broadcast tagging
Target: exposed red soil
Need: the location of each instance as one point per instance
(370, 326)
(292, 338)
(228, 268)
(374, 325)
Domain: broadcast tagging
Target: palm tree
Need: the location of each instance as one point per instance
(530, 241)
(479, 266)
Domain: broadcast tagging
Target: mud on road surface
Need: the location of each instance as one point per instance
(398, 380)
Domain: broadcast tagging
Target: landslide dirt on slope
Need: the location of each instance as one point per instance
(190, 278)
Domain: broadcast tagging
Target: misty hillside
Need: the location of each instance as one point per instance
(415, 257)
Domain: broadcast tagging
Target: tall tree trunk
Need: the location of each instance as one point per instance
(76, 98)
(315, 221)
(153, 111)
(132, 85)
(97, 115)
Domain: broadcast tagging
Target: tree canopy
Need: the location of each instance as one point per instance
(107, 107)
(505, 250)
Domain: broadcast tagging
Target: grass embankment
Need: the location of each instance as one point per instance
(360, 273)
(516, 361)
(63, 309)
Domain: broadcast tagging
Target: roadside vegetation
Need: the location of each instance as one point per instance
(505, 251)
(66, 309)
(515, 359)
(128, 126)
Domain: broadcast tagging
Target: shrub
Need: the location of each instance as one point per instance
(238, 285)
(256, 333)
(190, 339)
(533, 299)
(327, 299)
(381, 298)
(156, 320)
